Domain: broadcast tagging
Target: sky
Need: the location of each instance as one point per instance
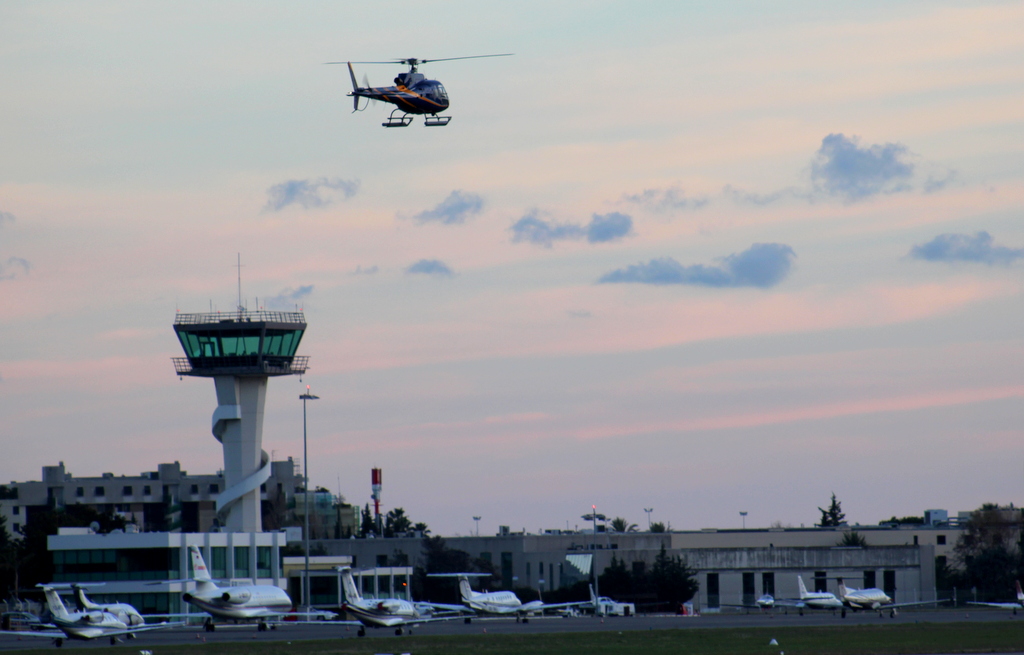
(693, 257)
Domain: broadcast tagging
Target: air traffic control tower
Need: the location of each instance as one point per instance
(240, 351)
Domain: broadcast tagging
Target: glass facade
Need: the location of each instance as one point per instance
(246, 344)
(108, 564)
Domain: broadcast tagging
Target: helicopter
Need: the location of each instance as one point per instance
(412, 93)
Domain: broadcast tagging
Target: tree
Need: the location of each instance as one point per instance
(619, 524)
(657, 526)
(852, 539)
(988, 550)
(833, 516)
(366, 524)
(616, 581)
(672, 579)
(32, 546)
(906, 520)
(422, 528)
(396, 522)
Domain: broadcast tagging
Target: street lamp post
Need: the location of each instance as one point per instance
(305, 474)
(648, 510)
(594, 516)
(477, 519)
(743, 515)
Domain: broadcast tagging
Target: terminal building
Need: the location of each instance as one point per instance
(733, 566)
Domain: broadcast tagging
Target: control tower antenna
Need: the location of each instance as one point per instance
(240, 352)
(239, 267)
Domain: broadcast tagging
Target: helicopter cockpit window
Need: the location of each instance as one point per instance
(440, 92)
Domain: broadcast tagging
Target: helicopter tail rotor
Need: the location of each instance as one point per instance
(355, 88)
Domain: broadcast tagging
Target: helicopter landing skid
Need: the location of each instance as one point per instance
(398, 121)
(435, 121)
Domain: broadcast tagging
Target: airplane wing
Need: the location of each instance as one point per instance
(920, 603)
(1005, 606)
(48, 634)
(435, 607)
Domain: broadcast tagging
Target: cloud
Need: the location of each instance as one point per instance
(433, 267)
(309, 193)
(602, 228)
(14, 267)
(763, 265)
(762, 199)
(453, 210)
(609, 227)
(665, 200)
(289, 298)
(966, 248)
(369, 270)
(843, 168)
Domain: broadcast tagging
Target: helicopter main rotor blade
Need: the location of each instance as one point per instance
(412, 61)
(506, 54)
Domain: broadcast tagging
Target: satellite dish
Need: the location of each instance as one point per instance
(95, 526)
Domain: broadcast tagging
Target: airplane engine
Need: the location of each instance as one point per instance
(236, 597)
(187, 597)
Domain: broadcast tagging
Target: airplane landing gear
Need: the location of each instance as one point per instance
(398, 632)
(362, 632)
(58, 642)
(468, 620)
(261, 627)
(208, 626)
(436, 121)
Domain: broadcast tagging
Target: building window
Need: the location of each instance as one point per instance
(16, 510)
(712, 587)
(219, 561)
(941, 540)
(768, 583)
(194, 489)
(147, 491)
(214, 488)
(820, 581)
(242, 569)
(382, 560)
(17, 527)
(80, 491)
(100, 491)
(126, 491)
(869, 580)
(263, 561)
(748, 588)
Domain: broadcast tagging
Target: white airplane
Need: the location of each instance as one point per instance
(1009, 606)
(389, 612)
(124, 611)
(604, 606)
(90, 623)
(500, 603)
(873, 599)
(764, 603)
(246, 603)
(815, 600)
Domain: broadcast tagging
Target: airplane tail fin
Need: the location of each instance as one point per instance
(55, 604)
(83, 600)
(843, 591)
(464, 589)
(1020, 593)
(199, 571)
(593, 597)
(352, 594)
(803, 588)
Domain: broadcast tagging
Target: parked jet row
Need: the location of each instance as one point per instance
(499, 603)
(93, 622)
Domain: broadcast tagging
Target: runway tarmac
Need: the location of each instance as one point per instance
(303, 631)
